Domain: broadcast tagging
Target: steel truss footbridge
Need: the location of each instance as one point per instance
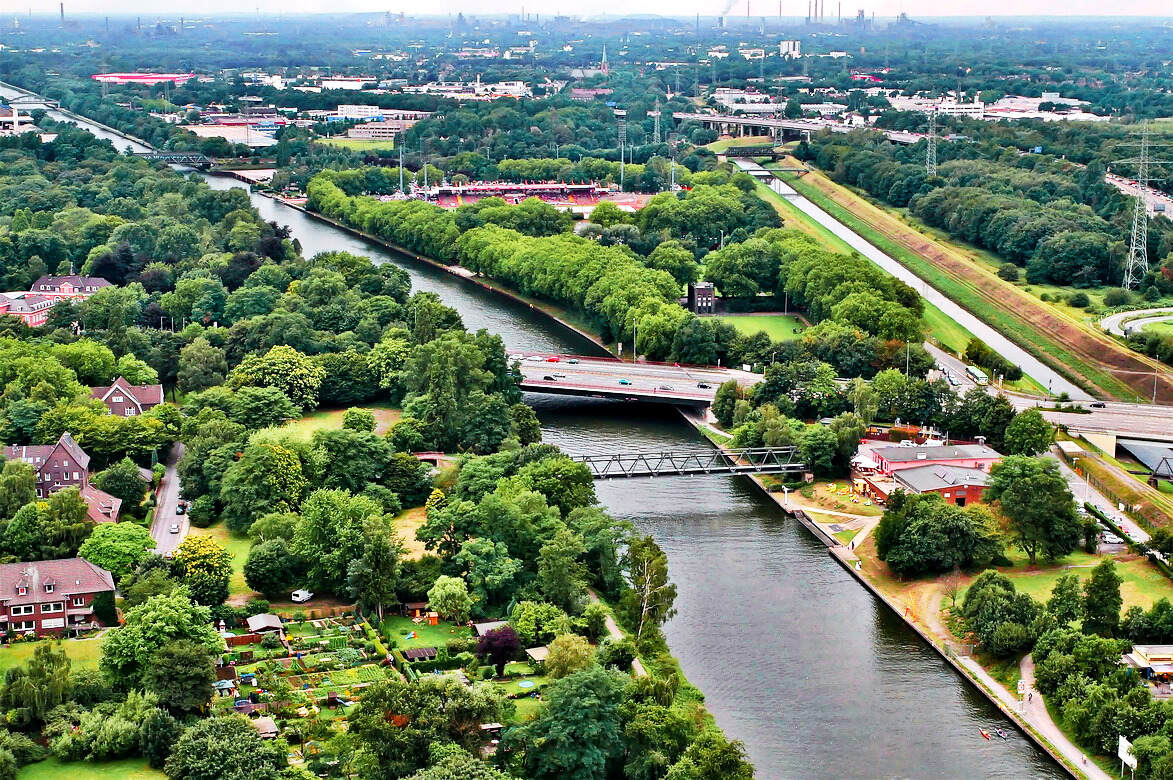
(756, 460)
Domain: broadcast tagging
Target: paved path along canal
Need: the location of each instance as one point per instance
(795, 658)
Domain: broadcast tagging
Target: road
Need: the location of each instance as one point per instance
(167, 499)
(1153, 199)
(1122, 323)
(801, 125)
(592, 376)
(1085, 493)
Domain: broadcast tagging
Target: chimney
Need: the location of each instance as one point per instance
(62, 7)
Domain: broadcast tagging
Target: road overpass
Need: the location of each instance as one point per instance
(558, 374)
(778, 128)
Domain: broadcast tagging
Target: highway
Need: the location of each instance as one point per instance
(1155, 201)
(1125, 322)
(800, 125)
(547, 373)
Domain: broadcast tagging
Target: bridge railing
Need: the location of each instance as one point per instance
(756, 460)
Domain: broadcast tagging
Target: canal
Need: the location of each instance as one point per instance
(796, 659)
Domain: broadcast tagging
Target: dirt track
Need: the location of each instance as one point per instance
(1130, 368)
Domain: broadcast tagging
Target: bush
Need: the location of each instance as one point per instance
(1010, 640)
(617, 653)
(270, 641)
(202, 512)
(1117, 296)
(256, 607)
(299, 615)
(486, 673)
(459, 645)
(1008, 272)
(1078, 300)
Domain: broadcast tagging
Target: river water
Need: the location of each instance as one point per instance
(796, 659)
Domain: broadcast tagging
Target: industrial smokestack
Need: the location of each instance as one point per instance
(808, 11)
(62, 6)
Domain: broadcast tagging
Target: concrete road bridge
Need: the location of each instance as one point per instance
(612, 378)
(780, 129)
(758, 460)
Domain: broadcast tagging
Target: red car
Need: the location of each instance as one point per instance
(554, 359)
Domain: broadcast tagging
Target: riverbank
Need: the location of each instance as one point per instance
(555, 314)
(846, 556)
(71, 115)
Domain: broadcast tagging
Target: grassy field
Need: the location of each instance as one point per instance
(331, 419)
(947, 333)
(1160, 328)
(779, 327)
(716, 147)
(406, 523)
(426, 636)
(124, 769)
(357, 144)
(84, 653)
(238, 547)
(1001, 305)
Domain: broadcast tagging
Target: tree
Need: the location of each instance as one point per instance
(117, 547)
(31, 691)
(397, 721)
(498, 647)
(284, 368)
(1102, 600)
(332, 533)
(160, 620)
(374, 577)
(267, 478)
(1065, 603)
(525, 425)
(561, 575)
(449, 596)
(276, 525)
(181, 674)
(157, 737)
(650, 602)
(922, 534)
(565, 484)
(205, 567)
(262, 407)
(122, 480)
(569, 653)
(537, 622)
(489, 572)
(724, 401)
(271, 567)
(362, 420)
(1028, 433)
(579, 733)
(225, 748)
(1034, 497)
(18, 487)
(351, 460)
(712, 757)
(201, 366)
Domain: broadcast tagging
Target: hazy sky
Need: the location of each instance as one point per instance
(790, 8)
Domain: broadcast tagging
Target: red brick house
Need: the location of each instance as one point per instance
(76, 287)
(956, 484)
(51, 597)
(967, 456)
(127, 400)
(62, 465)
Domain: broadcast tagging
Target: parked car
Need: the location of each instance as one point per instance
(174, 528)
(625, 381)
(180, 507)
(1111, 539)
(302, 596)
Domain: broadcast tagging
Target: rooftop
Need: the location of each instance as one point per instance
(935, 452)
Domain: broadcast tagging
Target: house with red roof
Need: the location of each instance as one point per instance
(51, 597)
(76, 287)
(63, 465)
(127, 400)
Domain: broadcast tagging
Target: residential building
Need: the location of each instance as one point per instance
(790, 49)
(380, 130)
(51, 597)
(64, 465)
(127, 400)
(75, 287)
(701, 298)
(30, 308)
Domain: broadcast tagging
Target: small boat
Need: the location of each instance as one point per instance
(1002, 734)
(984, 733)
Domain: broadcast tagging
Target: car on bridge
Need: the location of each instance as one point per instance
(625, 381)
(548, 378)
(553, 359)
(665, 387)
(704, 385)
(573, 361)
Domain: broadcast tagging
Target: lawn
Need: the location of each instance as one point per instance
(406, 523)
(238, 547)
(513, 686)
(1160, 328)
(945, 330)
(716, 147)
(426, 636)
(527, 709)
(1142, 583)
(84, 653)
(331, 419)
(124, 769)
(779, 327)
(358, 144)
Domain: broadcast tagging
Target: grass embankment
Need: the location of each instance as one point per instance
(940, 329)
(779, 327)
(1150, 507)
(357, 144)
(716, 147)
(1085, 356)
(123, 769)
(83, 653)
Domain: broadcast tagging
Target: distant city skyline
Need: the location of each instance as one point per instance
(736, 8)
